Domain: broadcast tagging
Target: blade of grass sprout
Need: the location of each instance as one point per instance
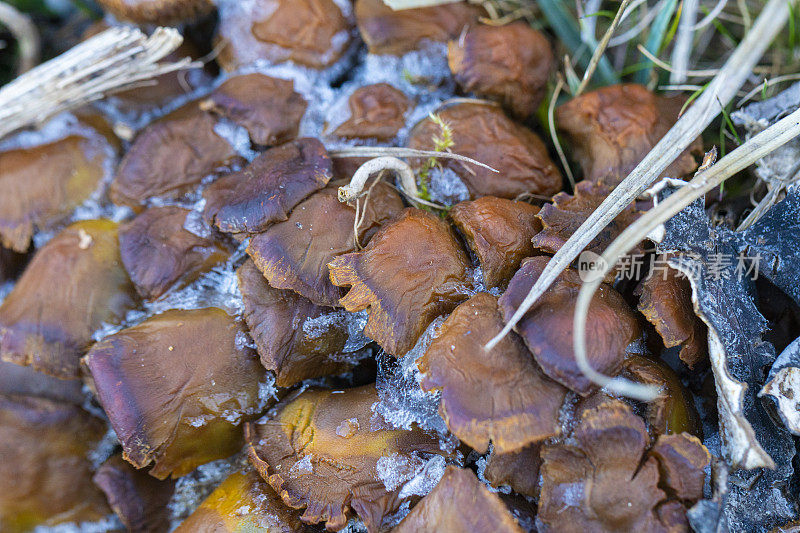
(554, 136)
(682, 50)
(710, 15)
(639, 27)
(655, 38)
(704, 73)
(369, 151)
(742, 157)
(763, 87)
(24, 31)
(601, 48)
(693, 97)
(721, 28)
(673, 29)
(705, 108)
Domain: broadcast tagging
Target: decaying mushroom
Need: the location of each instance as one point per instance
(295, 338)
(483, 132)
(611, 129)
(243, 502)
(518, 470)
(267, 189)
(499, 396)
(547, 327)
(268, 108)
(376, 112)
(25, 381)
(459, 503)
(294, 254)
(170, 157)
(158, 252)
(313, 33)
(389, 31)
(499, 232)
(163, 12)
(43, 184)
(509, 64)
(412, 271)
(682, 459)
(74, 284)
(320, 451)
(176, 388)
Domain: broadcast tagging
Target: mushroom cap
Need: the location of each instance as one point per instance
(176, 387)
(510, 64)
(294, 254)
(412, 271)
(518, 470)
(158, 252)
(483, 132)
(547, 327)
(611, 129)
(376, 112)
(74, 284)
(25, 381)
(266, 190)
(163, 12)
(499, 232)
(320, 451)
(499, 396)
(682, 459)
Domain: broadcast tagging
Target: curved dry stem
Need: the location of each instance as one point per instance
(353, 190)
(368, 151)
(719, 92)
(24, 30)
(601, 48)
(757, 147)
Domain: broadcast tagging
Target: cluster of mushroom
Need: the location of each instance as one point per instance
(110, 266)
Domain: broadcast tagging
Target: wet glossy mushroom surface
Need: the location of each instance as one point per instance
(177, 387)
(376, 112)
(518, 470)
(483, 132)
(412, 271)
(74, 284)
(157, 11)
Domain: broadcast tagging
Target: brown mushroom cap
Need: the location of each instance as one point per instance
(25, 381)
(519, 470)
(499, 396)
(320, 451)
(164, 12)
(46, 474)
(43, 184)
(611, 129)
(176, 387)
(277, 320)
(412, 271)
(294, 254)
(509, 64)
(547, 327)
(457, 504)
(73, 285)
(313, 33)
(243, 502)
(499, 231)
(682, 460)
(269, 187)
(666, 302)
(158, 253)
(268, 108)
(170, 157)
(484, 133)
(139, 500)
(389, 31)
(376, 111)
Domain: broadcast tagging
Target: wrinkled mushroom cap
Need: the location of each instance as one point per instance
(163, 12)
(376, 112)
(74, 284)
(412, 271)
(484, 133)
(176, 387)
(518, 470)
(682, 459)
(547, 327)
(499, 396)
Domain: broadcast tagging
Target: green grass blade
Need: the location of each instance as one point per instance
(655, 39)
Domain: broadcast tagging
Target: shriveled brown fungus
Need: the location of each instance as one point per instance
(163, 12)
(611, 129)
(518, 470)
(484, 133)
(170, 157)
(268, 108)
(267, 189)
(243, 502)
(43, 184)
(412, 271)
(314, 33)
(459, 503)
(682, 459)
(25, 381)
(158, 252)
(321, 451)
(139, 500)
(73, 285)
(389, 31)
(294, 254)
(376, 112)
(499, 232)
(176, 388)
(295, 338)
(547, 327)
(500, 396)
(509, 64)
